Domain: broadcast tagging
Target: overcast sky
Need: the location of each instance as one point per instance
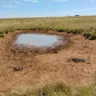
(46, 8)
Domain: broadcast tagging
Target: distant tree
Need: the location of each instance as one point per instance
(77, 15)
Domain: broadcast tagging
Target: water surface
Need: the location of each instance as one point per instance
(38, 40)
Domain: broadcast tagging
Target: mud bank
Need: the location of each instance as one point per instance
(60, 44)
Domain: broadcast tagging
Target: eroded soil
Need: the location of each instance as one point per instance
(50, 67)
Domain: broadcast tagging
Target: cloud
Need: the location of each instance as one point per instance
(78, 10)
(60, 0)
(8, 6)
(17, 2)
(33, 1)
(21, 4)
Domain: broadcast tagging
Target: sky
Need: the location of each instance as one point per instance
(46, 8)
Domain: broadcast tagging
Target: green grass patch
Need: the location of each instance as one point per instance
(52, 89)
(1, 35)
(91, 35)
(87, 91)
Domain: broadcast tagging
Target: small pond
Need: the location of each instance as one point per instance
(38, 40)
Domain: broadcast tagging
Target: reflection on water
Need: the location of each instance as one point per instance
(36, 39)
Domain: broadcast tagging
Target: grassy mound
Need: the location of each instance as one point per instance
(55, 89)
(1, 34)
(91, 35)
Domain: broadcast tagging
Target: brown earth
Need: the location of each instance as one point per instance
(50, 67)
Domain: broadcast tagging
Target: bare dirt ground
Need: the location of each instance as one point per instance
(48, 67)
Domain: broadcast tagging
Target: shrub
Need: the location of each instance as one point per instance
(1, 35)
(6, 32)
(90, 35)
(76, 31)
(62, 30)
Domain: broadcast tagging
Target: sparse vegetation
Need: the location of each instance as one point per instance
(1, 34)
(55, 89)
(75, 25)
(86, 91)
(91, 35)
(52, 89)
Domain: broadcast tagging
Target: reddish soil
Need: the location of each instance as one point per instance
(47, 67)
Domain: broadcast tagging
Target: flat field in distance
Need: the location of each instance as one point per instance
(77, 24)
(83, 22)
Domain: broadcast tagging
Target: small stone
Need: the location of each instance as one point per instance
(78, 60)
(55, 51)
(18, 68)
(88, 62)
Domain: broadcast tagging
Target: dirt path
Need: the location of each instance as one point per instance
(47, 67)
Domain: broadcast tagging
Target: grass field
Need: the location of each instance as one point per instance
(84, 25)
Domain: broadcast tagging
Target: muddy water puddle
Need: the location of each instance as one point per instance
(38, 40)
